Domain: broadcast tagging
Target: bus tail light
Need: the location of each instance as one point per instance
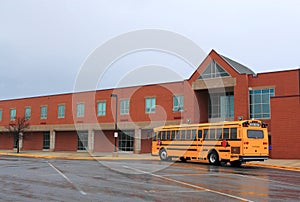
(265, 143)
(246, 142)
(245, 124)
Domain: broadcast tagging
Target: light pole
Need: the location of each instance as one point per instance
(116, 121)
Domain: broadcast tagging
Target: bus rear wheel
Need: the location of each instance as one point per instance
(163, 155)
(213, 158)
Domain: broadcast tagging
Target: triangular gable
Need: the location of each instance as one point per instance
(213, 70)
(231, 67)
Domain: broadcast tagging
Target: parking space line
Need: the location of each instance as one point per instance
(188, 184)
(66, 178)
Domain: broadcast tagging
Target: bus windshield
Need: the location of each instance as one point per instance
(255, 134)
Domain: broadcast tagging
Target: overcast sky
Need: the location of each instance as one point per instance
(43, 44)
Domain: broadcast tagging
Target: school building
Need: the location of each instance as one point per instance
(221, 89)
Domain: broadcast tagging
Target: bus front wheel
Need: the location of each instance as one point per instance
(163, 155)
(213, 158)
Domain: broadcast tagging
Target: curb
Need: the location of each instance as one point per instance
(98, 158)
(290, 168)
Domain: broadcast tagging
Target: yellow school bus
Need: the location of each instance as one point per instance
(233, 142)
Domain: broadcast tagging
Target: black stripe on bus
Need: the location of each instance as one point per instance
(180, 144)
(184, 149)
(224, 150)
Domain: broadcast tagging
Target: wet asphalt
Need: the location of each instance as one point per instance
(28, 179)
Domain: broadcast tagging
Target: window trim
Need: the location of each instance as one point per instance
(42, 106)
(1, 114)
(77, 111)
(122, 112)
(98, 102)
(28, 107)
(152, 109)
(180, 106)
(64, 112)
(250, 105)
(10, 117)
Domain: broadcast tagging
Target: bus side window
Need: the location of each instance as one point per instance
(233, 133)
(154, 136)
(193, 134)
(199, 134)
(177, 134)
(212, 134)
(226, 133)
(163, 135)
(159, 135)
(205, 133)
(183, 134)
(168, 135)
(173, 134)
(188, 134)
(219, 133)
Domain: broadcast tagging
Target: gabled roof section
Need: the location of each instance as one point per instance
(241, 69)
(214, 70)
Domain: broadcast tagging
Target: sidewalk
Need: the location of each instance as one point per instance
(80, 155)
(285, 164)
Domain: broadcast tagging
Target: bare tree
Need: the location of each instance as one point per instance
(18, 128)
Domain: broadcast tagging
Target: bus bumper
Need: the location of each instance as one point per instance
(253, 158)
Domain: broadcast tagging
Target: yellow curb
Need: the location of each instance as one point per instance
(275, 167)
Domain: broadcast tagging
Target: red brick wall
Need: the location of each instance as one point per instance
(285, 82)
(285, 127)
(66, 141)
(33, 141)
(6, 141)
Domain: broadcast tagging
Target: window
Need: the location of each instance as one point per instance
(199, 134)
(213, 70)
(101, 108)
(44, 110)
(0, 114)
(233, 133)
(178, 103)
(46, 140)
(219, 133)
(13, 114)
(126, 140)
(27, 113)
(260, 103)
(82, 140)
(205, 133)
(221, 105)
(212, 135)
(256, 134)
(80, 110)
(124, 106)
(226, 133)
(61, 111)
(150, 105)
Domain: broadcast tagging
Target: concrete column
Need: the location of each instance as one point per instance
(20, 141)
(52, 140)
(137, 140)
(91, 134)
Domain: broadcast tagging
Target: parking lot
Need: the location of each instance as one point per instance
(29, 179)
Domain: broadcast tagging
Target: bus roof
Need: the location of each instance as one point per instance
(197, 125)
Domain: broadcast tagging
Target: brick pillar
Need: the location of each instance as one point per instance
(137, 140)
(91, 134)
(52, 140)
